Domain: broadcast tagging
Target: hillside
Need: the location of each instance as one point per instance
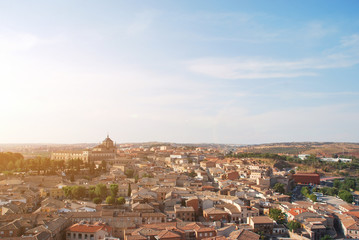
(317, 148)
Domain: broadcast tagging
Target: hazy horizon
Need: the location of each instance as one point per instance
(233, 72)
(180, 143)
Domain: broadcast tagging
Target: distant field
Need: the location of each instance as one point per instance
(325, 149)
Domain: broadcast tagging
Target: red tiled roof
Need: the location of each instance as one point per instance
(87, 228)
(206, 229)
(296, 211)
(307, 174)
(168, 234)
(353, 213)
(192, 226)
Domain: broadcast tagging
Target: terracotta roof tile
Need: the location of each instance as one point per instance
(168, 234)
(78, 227)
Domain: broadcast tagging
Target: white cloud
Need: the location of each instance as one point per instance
(350, 41)
(254, 68)
(241, 68)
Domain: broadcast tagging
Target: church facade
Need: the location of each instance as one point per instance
(104, 151)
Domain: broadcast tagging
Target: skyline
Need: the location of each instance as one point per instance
(205, 72)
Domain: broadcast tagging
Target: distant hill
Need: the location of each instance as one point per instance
(295, 148)
(327, 149)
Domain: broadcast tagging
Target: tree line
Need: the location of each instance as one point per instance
(97, 193)
(260, 155)
(15, 162)
(311, 160)
(306, 192)
(342, 189)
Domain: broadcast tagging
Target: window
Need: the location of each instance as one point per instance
(80, 236)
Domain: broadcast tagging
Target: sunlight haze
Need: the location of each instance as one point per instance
(180, 71)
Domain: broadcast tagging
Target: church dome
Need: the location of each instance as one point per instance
(108, 143)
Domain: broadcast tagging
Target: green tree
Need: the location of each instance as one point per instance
(19, 164)
(349, 183)
(70, 165)
(333, 191)
(293, 225)
(261, 235)
(92, 167)
(114, 189)
(78, 163)
(305, 191)
(346, 196)
(103, 165)
(129, 173)
(313, 197)
(329, 191)
(97, 200)
(327, 237)
(67, 192)
(110, 200)
(277, 215)
(91, 192)
(61, 164)
(129, 191)
(10, 166)
(337, 183)
(101, 190)
(78, 192)
(279, 187)
(121, 200)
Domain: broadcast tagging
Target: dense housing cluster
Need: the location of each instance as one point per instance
(173, 192)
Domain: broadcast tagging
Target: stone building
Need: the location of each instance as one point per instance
(104, 151)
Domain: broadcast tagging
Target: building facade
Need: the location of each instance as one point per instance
(307, 178)
(104, 151)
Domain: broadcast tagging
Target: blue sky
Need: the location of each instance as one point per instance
(181, 71)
